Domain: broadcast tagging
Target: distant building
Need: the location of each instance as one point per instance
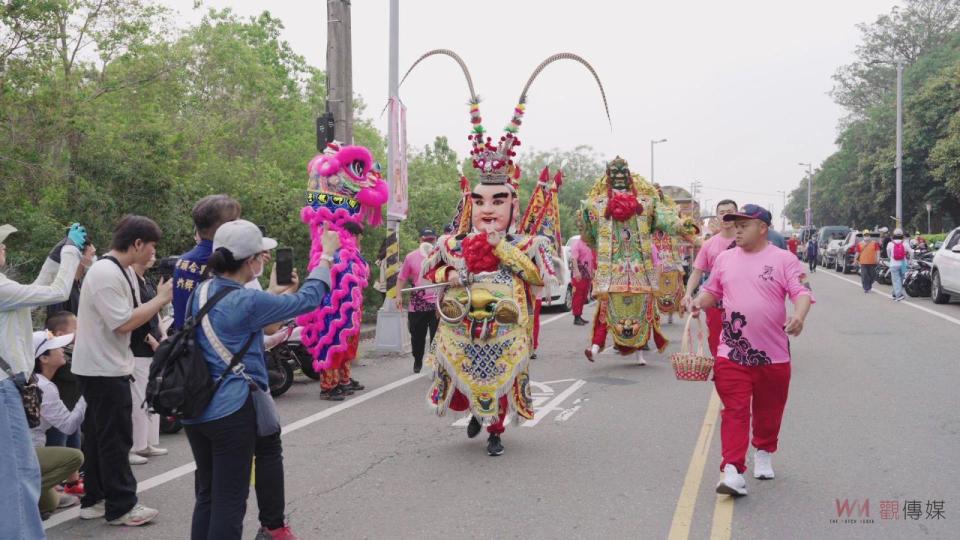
(688, 206)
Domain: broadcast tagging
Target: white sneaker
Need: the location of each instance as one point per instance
(67, 500)
(733, 482)
(96, 511)
(137, 516)
(763, 465)
(641, 361)
(136, 459)
(151, 451)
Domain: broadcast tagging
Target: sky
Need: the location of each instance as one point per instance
(739, 88)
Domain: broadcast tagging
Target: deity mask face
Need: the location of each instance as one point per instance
(494, 206)
(618, 174)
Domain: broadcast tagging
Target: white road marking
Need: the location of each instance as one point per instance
(541, 405)
(554, 404)
(184, 470)
(565, 414)
(935, 313)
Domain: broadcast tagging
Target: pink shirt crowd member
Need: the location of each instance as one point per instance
(425, 300)
(715, 245)
(753, 287)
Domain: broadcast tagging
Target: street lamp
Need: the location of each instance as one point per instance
(783, 213)
(929, 208)
(652, 143)
(809, 212)
(899, 159)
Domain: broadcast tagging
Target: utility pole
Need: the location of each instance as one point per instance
(808, 221)
(389, 336)
(783, 212)
(899, 144)
(694, 191)
(652, 143)
(340, 69)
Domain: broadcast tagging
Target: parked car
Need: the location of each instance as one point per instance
(845, 261)
(945, 275)
(560, 295)
(829, 257)
(825, 235)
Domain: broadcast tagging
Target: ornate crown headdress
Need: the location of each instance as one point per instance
(495, 161)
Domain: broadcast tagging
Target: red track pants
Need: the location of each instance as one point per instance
(756, 393)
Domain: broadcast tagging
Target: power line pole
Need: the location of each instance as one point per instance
(340, 69)
(899, 144)
(652, 144)
(390, 327)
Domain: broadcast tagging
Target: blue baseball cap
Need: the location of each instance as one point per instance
(751, 211)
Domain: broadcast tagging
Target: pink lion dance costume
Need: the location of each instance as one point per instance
(345, 186)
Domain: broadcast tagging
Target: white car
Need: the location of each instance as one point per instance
(829, 258)
(946, 269)
(560, 294)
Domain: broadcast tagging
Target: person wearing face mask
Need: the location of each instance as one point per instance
(422, 308)
(899, 252)
(143, 342)
(224, 436)
(57, 464)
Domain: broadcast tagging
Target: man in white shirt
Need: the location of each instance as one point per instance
(109, 311)
(20, 488)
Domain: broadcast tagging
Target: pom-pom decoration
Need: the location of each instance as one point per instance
(479, 255)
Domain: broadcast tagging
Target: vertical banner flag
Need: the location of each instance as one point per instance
(397, 208)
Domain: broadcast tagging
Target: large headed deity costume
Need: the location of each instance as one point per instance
(344, 187)
(491, 263)
(618, 221)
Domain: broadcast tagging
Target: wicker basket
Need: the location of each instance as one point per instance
(689, 365)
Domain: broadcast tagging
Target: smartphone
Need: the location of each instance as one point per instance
(284, 258)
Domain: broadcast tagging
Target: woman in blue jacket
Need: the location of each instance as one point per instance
(222, 438)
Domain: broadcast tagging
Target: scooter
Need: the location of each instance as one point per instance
(883, 272)
(917, 281)
(286, 356)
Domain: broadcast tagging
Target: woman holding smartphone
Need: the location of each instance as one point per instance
(223, 437)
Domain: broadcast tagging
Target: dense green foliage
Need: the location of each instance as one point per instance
(105, 109)
(856, 185)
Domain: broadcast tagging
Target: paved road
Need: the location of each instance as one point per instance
(622, 451)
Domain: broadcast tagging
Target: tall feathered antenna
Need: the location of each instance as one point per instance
(567, 56)
(461, 222)
(451, 54)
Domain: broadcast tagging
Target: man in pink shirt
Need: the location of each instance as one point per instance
(752, 371)
(422, 311)
(703, 265)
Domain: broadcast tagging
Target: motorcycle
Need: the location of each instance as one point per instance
(883, 272)
(285, 357)
(170, 424)
(917, 281)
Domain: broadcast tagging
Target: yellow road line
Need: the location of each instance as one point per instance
(722, 518)
(683, 514)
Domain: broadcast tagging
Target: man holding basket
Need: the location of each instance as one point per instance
(752, 371)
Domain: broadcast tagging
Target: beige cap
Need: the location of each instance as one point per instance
(6, 230)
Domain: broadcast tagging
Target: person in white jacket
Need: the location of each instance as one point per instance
(57, 463)
(20, 489)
